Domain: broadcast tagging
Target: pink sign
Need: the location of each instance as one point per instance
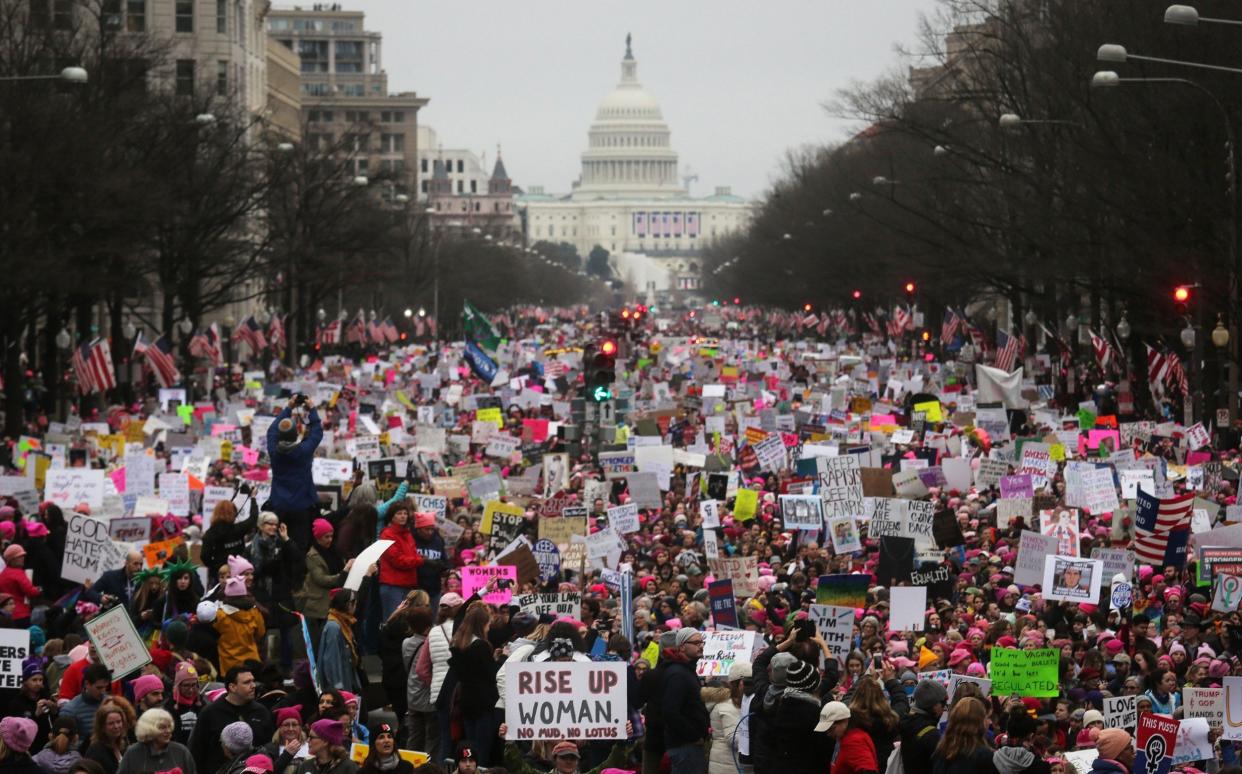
(476, 578)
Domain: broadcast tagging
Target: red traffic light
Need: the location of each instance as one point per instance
(857, 294)
(609, 347)
(806, 307)
(909, 287)
(625, 314)
(1181, 294)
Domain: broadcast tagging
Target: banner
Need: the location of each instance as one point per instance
(723, 603)
(14, 649)
(1154, 743)
(565, 700)
(1026, 672)
(721, 649)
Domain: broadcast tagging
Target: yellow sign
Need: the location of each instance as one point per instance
(226, 450)
(358, 754)
(490, 415)
(404, 399)
(496, 506)
(931, 410)
(1056, 451)
(746, 504)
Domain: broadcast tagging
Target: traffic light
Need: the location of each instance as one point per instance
(857, 294)
(601, 370)
(910, 288)
(1181, 298)
(806, 307)
(736, 300)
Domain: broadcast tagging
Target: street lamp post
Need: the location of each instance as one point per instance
(68, 75)
(1108, 79)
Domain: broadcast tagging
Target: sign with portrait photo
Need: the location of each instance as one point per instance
(1070, 579)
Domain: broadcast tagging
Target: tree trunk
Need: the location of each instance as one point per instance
(13, 383)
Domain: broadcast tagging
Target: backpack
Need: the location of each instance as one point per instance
(418, 690)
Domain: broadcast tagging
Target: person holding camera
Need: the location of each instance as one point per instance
(291, 443)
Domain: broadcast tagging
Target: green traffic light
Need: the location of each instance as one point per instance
(601, 394)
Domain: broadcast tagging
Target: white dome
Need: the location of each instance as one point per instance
(627, 102)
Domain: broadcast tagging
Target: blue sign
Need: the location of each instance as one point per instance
(548, 557)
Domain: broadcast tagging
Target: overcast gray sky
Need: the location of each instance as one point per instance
(739, 81)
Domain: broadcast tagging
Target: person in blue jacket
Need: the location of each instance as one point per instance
(291, 446)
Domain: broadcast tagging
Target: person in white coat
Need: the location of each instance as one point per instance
(725, 715)
(438, 646)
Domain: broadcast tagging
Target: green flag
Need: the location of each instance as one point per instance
(479, 329)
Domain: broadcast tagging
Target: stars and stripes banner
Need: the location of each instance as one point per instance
(206, 344)
(903, 317)
(251, 332)
(949, 327)
(158, 355)
(1164, 369)
(276, 332)
(356, 332)
(810, 321)
(329, 333)
(1162, 528)
(1009, 350)
(390, 331)
(375, 329)
(92, 366)
(1105, 353)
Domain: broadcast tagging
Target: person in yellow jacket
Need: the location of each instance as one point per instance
(240, 626)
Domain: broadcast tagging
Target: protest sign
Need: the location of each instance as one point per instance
(804, 512)
(431, 504)
(89, 550)
(1206, 703)
(723, 603)
(1154, 743)
(721, 649)
(493, 507)
(326, 471)
(565, 700)
(548, 557)
(743, 570)
(1193, 742)
(603, 543)
(918, 522)
(845, 536)
(624, 518)
(358, 754)
(156, 554)
(835, 625)
(117, 642)
(710, 511)
(1097, 490)
(560, 530)
(618, 464)
(1120, 712)
(711, 544)
(367, 557)
(840, 485)
(1116, 560)
(909, 605)
(1069, 579)
(476, 578)
(1026, 672)
(985, 685)
(558, 605)
(991, 471)
(1228, 593)
(14, 649)
(1081, 760)
(1033, 548)
(136, 530)
(1062, 525)
(842, 589)
(1231, 706)
(67, 487)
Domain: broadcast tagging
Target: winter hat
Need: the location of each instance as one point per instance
(239, 564)
(206, 611)
(36, 529)
(1111, 742)
(1218, 669)
(235, 587)
(18, 733)
(331, 731)
(237, 737)
(780, 665)
(146, 684)
(959, 655)
(258, 764)
(929, 693)
(13, 553)
(287, 429)
(565, 748)
(289, 713)
(350, 698)
(926, 658)
(801, 676)
(1177, 647)
(176, 632)
(1092, 716)
(321, 527)
(423, 519)
(976, 670)
(560, 648)
(683, 636)
(1087, 737)
(186, 673)
(31, 667)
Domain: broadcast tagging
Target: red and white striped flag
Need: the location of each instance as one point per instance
(1157, 366)
(276, 332)
(206, 344)
(1161, 528)
(1009, 350)
(92, 366)
(1177, 374)
(904, 318)
(159, 358)
(1104, 351)
(390, 331)
(329, 333)
(356, 333)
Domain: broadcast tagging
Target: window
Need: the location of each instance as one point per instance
(422, 165)
(185, 15)
(314, 55)
(460, 187)
(424, 186)
(393, 117)
(111, 14)
(363, 165)
(315, 89)
(398, 167)
(222, 17)
(357, 116)
(349, 56)
(185, 77)
(354, 89)
(474, 186)
(392, 143)
(461, 165)
(358, 142)
(343, 26)
(40, 14)
(277, 25)
(320, 141)
(222, 78)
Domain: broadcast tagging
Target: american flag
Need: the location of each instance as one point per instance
(822, 328)
(1009, 350)
(390, 331)
(329, 333)
(356, 333)
(158, 356)
(1157, 367)
(276, 332)
(840, 321)
(904, 318)
(92, 365)
(206, 344)
(949, 328)
(431, 326)
(554, 369)
(419, 327)
(810, 321)
(1162, 528)
(251, 332)
(376, 331)
(976, 335)
(1104, 351)
(872, 322)
(1177, 374)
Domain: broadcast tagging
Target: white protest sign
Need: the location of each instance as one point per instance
(89, 550)
(175, 488)
(135, 530)
(1070, 579)
(568, 604)
(67, 487)
(917, 522)
(602, 543)
(1206, 703)
(565, 700)
(431, 504)
(710, 511)
(805, 512)
(1232, 706)
(624, 518)
(1120, 712)
(1193, 743)
(840, 485)
(212, 495)
(845, 535)
(326, 471)
(117, 641)
(1081, 760)
(150, 506)
(835, 626)
(1098, 493)
(367, 557)
(14, 649)
(1033, 548)
(711, 544)
(909, 606)
(140, 475)
(1228, 593)
(721, 649)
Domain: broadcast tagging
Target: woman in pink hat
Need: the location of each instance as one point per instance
(13, 581)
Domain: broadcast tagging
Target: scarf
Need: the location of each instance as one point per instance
(346, 622)
(387, 764)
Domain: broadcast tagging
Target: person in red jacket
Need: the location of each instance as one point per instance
(855, 752)
(398, 566)
(13, 581)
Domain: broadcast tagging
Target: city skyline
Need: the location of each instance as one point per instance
(484, 92)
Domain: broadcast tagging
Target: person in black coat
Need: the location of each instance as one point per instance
(919, 729)
(686, 721)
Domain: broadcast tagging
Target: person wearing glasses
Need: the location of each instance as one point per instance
(686, 721)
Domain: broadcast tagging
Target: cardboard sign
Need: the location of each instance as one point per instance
(721, 649)
(1026, 672)
(89, 550)
(14, 649)
(559, 531)
(117, 642)
(1120, 712)
(565, 700)
(1154, 743)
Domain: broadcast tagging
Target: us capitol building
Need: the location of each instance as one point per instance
(630, 200)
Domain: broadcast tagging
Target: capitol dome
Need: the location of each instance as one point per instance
(629, 152)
